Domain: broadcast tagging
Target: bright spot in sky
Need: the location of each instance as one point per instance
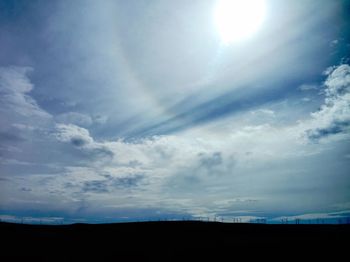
(238, 19)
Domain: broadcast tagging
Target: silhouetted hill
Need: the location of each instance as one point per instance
(171, 241)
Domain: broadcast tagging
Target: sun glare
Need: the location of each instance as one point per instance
(238, 19)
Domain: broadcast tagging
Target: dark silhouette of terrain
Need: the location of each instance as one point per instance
(171, 241)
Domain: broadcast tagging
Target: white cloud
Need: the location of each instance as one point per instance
(264, 113)
(338, 81)
(94, 153)
(334, 116)
(73, 134)
(192, 163)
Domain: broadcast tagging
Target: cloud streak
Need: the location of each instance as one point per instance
(15, 87)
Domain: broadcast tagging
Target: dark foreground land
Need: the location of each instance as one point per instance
(172, 241)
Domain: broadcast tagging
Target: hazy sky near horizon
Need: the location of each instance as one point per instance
(129, 110)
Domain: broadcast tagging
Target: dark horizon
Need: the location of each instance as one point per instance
(171, 241)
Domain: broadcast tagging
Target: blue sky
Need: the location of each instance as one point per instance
(136, 110)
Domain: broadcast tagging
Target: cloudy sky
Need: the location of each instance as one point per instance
(132, 110)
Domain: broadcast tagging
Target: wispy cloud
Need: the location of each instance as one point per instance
(308, 87)
(31, 220)
(74, 118)
(15, 86)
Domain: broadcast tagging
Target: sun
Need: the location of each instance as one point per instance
(238, 19)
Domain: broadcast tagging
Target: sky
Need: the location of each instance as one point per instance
(139, 110)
